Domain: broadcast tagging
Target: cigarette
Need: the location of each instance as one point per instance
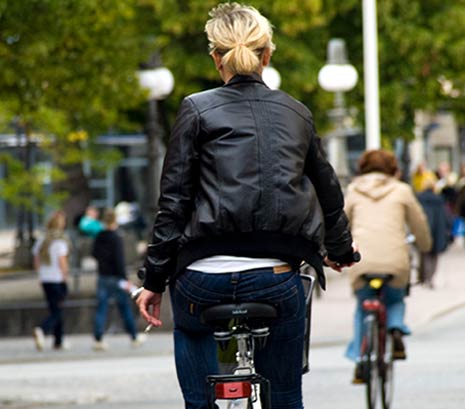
(136, 293)
(148, 328)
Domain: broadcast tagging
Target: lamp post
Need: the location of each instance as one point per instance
(271, 77)
(338, 76)
(371, 75)
(159, 81)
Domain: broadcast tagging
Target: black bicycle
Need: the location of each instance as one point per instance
(377, 359)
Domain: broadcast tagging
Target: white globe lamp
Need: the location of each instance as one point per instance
(337, 75)
(158, 81)
(271, 77)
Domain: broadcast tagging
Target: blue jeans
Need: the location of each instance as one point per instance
(55, 293)
(107, 288)
(196, 350)
(395, 311)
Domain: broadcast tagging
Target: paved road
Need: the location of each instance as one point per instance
(432, 378)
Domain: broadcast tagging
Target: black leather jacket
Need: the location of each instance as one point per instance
(245, 175)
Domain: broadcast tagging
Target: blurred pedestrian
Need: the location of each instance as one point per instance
(51, 262)
(112, 282)
(129, 217)
(89, 224)
(459, 223)
(382, 210)
(461, 178)
(420, 174)
(435, 210)
(446, 186)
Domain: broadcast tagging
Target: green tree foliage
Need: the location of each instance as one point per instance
(420, 42)
(179, 35)
(67, 68)
(27, 184)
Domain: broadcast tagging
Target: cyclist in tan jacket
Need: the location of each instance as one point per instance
(382, 211)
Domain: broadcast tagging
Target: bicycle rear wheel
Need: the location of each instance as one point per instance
(387, 376)
(370, 361)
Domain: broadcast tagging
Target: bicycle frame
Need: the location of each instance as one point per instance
(376, 351)
(376, 308)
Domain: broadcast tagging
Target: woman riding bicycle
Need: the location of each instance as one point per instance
(382, 210)
(246, 195)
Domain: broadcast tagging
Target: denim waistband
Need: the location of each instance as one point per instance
(280, 269)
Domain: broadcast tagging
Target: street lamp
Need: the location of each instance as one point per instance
(338, 76)
(271, 77)
(159, 82)
(371, 75)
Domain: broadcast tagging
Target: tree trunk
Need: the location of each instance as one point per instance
(79, 194)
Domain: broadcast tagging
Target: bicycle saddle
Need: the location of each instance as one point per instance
(381, 276)
(246, 310)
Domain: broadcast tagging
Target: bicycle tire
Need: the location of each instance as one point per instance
(371, 361)
(387, 378)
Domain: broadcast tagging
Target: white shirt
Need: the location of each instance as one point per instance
(232, 264)
(51, 273)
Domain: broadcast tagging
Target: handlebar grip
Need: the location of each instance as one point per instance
(141, 273)
(352, 257)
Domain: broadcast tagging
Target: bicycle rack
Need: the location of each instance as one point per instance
(238, 387)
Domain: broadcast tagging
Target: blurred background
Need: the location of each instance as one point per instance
(77, 128)
(90, 88)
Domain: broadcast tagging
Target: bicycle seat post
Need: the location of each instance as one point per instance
(249, 323)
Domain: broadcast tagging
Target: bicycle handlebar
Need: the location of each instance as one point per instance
(141, 273)
(348, 258)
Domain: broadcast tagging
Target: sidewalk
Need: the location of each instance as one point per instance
(331, 316)
(333, 312)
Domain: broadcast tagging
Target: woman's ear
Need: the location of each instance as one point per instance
(266, 57)
(217, 59)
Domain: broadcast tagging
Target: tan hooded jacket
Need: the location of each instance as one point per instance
(382, 211)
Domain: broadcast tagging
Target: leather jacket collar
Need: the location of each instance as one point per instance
(240, 78)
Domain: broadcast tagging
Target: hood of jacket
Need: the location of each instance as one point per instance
(374, 185)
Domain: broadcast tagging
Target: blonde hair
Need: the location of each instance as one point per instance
(56, 221)
(54, 231)
(240, 34)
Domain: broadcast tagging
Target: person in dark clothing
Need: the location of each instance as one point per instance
(435, 209)
(112, 282)
(246, 194)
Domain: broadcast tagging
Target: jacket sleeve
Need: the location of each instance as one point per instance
(338, 239)
(417, 221)
(177, 190)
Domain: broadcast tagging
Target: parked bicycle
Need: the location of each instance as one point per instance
(377, 349)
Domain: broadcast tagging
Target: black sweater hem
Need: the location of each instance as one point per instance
(290, 249)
